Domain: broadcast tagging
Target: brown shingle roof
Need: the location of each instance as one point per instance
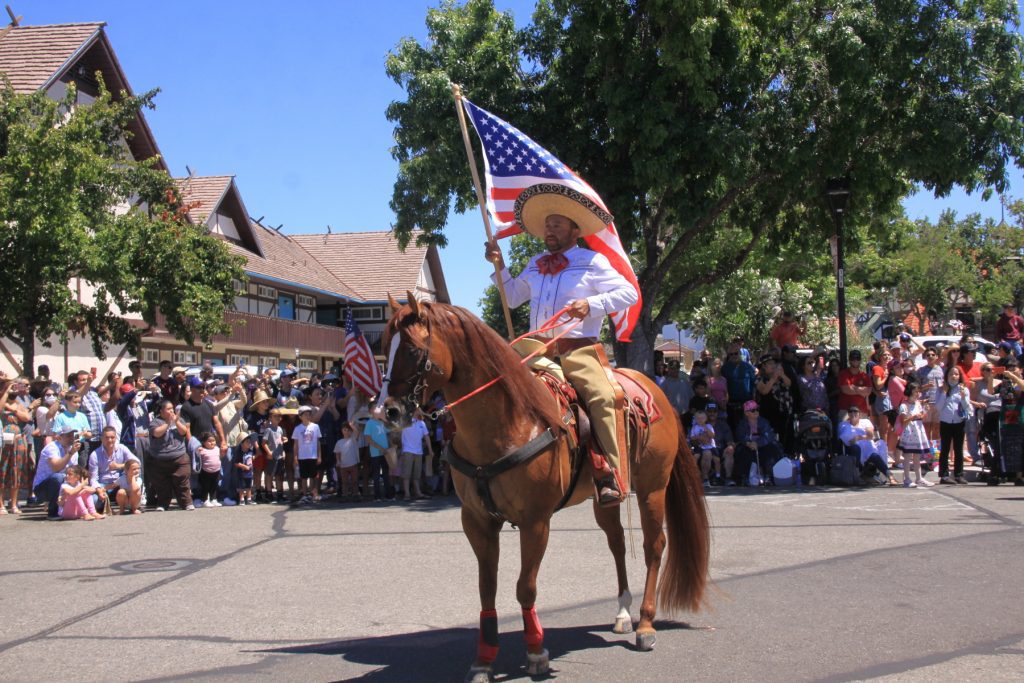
(286, 260)
(206, 191)
(369, 262)
(31, 55)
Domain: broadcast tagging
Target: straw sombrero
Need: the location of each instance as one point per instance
(291, 407)
(539, 201)
(259, 397)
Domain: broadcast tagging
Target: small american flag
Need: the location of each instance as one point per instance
(360, 365)
(513, 162)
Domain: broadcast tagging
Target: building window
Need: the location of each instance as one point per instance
(238, 285)
(306, 301)
(307, 364)
(286, 307)
(268, 361)
(150, 356)
(185, 357)
(266, 292)
(370, 313)
(236, 359)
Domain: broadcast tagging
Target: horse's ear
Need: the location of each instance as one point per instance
(413, 304)
(393, 304)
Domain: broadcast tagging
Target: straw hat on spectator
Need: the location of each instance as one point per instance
(291, 407)
(260, 397)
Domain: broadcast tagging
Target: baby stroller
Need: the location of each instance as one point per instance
(814, 441)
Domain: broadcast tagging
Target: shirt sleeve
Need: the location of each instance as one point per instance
(517, 289)
(614, 292)
(94, 469)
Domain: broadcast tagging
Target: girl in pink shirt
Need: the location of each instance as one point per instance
(76, 496)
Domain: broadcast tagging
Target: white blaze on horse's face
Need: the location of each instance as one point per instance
(396, 341)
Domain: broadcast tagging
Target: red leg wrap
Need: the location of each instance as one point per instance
(533, 632)
(487, 645)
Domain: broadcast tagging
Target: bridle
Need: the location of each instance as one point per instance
(424, 366)
(422, 370)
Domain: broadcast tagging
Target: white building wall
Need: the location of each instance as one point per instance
(78, 355)
(425, 283)
(223, 225)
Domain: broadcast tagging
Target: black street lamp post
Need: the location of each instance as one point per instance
(837, 191)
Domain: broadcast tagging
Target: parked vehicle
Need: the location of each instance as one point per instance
(223, 372)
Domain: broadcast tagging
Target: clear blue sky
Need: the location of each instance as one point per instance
(290, 98)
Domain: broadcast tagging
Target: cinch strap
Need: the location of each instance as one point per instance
(487, 645)
(533, 633)
(482, 475)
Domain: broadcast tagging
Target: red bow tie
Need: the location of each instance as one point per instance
(552, 264)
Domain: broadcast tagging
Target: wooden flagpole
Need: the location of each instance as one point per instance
(457, 93)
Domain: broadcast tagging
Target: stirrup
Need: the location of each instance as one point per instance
(608, 493)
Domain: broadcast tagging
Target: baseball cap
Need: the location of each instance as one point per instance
(853, 409)
(750, 405)
(305, 409)
(288, 373)
(904, 336)
(127, 388)
(195, 382)
(215, 388)
(176, 369)
(1006, 346)
(712, 406)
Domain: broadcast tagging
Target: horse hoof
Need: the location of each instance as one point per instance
(537, 664)
(645, 641)
(480, 674)
(623, 625)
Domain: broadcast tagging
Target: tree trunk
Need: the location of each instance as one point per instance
(28, 350)
(640, 352)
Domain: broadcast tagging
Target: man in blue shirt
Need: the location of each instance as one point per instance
(740, 377)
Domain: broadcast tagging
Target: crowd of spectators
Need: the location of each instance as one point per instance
(134, 443)
(904, 407)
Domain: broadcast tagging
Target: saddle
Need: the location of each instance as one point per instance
(639, 411)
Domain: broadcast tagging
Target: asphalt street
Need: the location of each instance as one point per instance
(812, 585)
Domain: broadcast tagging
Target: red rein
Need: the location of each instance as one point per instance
(551, 324)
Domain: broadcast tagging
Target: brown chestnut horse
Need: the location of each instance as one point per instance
(441, 347)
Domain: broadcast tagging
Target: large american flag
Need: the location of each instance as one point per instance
(360, 365)
(513, 162)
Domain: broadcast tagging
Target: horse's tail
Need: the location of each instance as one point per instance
(685, 574)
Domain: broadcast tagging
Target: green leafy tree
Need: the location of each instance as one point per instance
(952, 263)
(67, 181)
(710, 128)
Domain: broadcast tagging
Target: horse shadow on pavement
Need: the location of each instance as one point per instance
(445, 654)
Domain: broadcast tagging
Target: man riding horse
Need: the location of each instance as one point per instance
(586, 283)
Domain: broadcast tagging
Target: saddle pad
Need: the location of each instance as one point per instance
(637, 395)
